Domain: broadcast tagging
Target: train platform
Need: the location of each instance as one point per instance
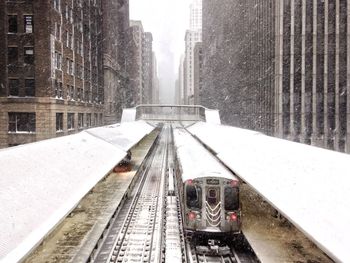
(43, 182)
(308, 185)
(75, 238)
(271, 236)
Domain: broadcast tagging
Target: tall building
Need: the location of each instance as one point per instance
(280, 67)
(135, 62)
(140, 65)
(192, 36)
(197, 71)
(51, 73)
(155, 80)
(147, 68)
(115, 24)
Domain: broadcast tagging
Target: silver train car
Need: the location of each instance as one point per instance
(209, 193)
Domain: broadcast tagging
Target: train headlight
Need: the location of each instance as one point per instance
(232, 217)
(194, 216)
(191, 216)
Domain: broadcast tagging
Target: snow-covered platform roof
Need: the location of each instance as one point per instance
(42, 182)
(308, 185)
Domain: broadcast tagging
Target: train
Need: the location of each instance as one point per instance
(208, 191)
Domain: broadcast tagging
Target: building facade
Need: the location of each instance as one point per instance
(51, 73)
(135, 62)
(155, 80)
(192, 36)
(147, 68)
(197, 71)
(280, 67)
(115, 25)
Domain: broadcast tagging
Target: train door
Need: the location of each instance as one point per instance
(213, 206)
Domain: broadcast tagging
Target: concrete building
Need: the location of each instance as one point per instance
(135, 62)
(147, 68)
(280, 67)
(155, 80)
(51, 73)
(192, 36)
(197, 71)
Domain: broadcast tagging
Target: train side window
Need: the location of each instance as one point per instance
(194, 196)
(231, 198)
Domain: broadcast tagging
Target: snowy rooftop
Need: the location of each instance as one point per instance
(43, 181)
(308, 185)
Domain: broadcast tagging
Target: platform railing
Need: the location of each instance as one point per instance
(157, 112)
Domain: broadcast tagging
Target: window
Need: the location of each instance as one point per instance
(29, 55)
(29, 86)
(193, 196)
(59, 122)
(58, 31)
(70, 121)
(231, 198)
(12, 55)
(21, 122)
(12, 20)
(14, 87)
(88, 120)
(96, 119)
(28, 24)
(80, 120)
(57, 5)
(58, 60)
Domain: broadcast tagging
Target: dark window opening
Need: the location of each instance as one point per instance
(59, 121)
(21, 122)
(80, 120)
(231, 198)
(12, 55)
(12, 20)
(70, 121)
(29, 85)
(14, 87)
(28, 24)
(193, 196)
(29, 55)
(212, 197)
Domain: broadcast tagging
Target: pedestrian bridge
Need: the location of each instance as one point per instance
(43, 182)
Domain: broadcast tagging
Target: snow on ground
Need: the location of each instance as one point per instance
(308, 185)
(42, 182)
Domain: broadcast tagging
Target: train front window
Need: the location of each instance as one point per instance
(193, 196)
(231, 198)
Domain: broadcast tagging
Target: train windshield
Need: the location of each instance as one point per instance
(231, 198)
(193, 196)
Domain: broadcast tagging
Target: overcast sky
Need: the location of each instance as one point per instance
(167, 20)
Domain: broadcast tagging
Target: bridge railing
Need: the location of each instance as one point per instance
(155, 112)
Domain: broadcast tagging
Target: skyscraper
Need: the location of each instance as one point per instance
(192, 36)
(280, 67)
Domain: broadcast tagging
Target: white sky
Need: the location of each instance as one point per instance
(167, 20)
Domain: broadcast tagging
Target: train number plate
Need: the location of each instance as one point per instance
(213, 181)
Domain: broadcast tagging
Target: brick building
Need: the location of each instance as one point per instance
(51, 71)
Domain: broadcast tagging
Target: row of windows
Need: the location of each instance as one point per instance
(89, 121)
(72, 69)
(28, 55)
(25, 122)
(28, 23)
(15, 85)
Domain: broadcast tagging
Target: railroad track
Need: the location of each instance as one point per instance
(136, 235)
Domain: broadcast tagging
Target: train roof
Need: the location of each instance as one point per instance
(196, 161)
